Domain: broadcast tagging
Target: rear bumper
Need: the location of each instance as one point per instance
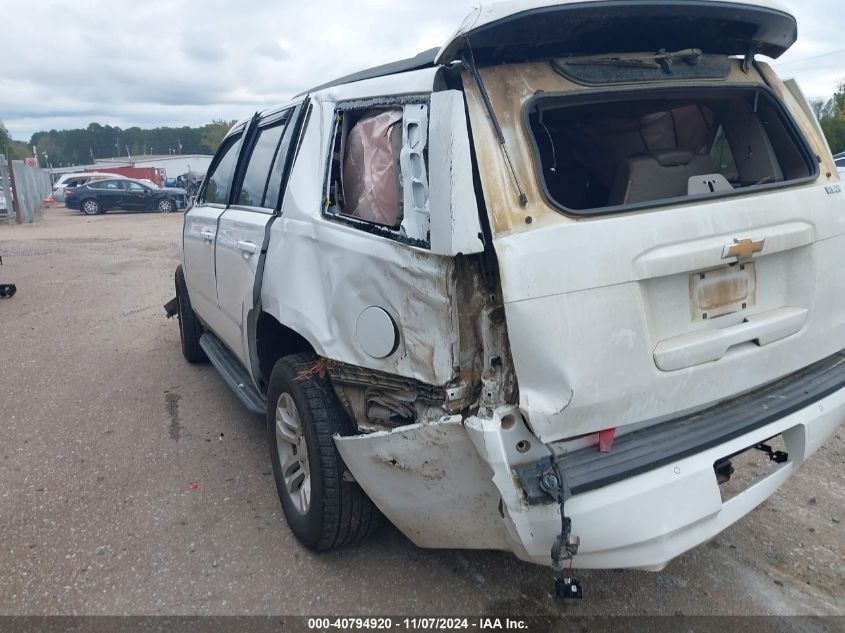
(655, 495)
(660, 444)
(466, 483)
(646, 520)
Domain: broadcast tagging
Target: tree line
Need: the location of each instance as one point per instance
(81, 146)
(831, 115)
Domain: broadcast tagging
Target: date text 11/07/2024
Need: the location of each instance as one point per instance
(422, 623)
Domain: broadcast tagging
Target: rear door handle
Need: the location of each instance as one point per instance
(208, 236)
(248, 248)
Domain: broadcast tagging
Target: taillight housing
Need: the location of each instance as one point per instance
(70, 192)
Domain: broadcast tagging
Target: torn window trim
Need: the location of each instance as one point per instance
(653, 205)
(353, 105)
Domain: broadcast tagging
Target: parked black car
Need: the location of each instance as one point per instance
(104, 195)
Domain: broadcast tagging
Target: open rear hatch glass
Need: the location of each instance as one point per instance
(522, 30)
(614, 151)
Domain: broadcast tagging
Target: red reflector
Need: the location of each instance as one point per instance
(606, 440)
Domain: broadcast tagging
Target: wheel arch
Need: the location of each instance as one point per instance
(269, 341)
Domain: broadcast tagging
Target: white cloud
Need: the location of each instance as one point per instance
(185, 62)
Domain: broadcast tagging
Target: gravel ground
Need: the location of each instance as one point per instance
(134, 483)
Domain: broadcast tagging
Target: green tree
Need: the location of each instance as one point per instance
(5, 138)
(839, 101)
(15, 149)
(212, 134)
(832, 119)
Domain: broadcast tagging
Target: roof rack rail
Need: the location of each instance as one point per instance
(418, 62)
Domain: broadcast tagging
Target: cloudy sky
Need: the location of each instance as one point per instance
(185, 62)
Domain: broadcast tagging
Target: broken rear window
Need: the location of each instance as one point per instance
(612, 153)
(370, 171)
(377, 178)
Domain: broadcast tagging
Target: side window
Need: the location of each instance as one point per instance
(219, 180)
(110, 185)
(254, 186)
(134, 187)
(378, 175)
(283, 158)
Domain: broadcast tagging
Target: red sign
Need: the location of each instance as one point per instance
(31, 162)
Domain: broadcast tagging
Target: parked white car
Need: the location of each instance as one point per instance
(840, 167)
(532, 291)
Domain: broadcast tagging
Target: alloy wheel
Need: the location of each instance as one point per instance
(293, 453)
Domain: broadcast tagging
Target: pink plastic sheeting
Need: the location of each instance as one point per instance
(371, 168)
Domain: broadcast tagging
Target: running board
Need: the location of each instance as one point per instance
(233, 373)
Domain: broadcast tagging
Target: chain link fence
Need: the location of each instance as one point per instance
(32, 185)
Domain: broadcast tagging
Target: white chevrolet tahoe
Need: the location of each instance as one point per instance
(534, 290)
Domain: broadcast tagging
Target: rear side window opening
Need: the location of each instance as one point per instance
(619, 152)
(377, 176)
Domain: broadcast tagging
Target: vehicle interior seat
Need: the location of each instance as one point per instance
(657, 175)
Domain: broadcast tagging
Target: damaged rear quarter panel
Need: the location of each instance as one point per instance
(325, 273)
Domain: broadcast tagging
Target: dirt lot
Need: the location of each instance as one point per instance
(104, 428)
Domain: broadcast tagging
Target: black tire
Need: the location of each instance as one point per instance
(190, 329)
(90, 206)
(166, 205)
(339, 512)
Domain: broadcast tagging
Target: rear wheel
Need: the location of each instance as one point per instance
(90, 207)
(321, 507)
(190, 328)
(165, 206)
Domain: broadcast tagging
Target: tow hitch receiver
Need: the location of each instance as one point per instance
(777, 457)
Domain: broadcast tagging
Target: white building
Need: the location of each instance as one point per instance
(172, 165)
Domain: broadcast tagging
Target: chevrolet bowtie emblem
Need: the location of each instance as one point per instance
(742, 249)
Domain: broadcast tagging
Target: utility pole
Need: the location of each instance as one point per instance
(12, 188)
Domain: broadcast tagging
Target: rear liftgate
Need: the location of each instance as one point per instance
(493, 36)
